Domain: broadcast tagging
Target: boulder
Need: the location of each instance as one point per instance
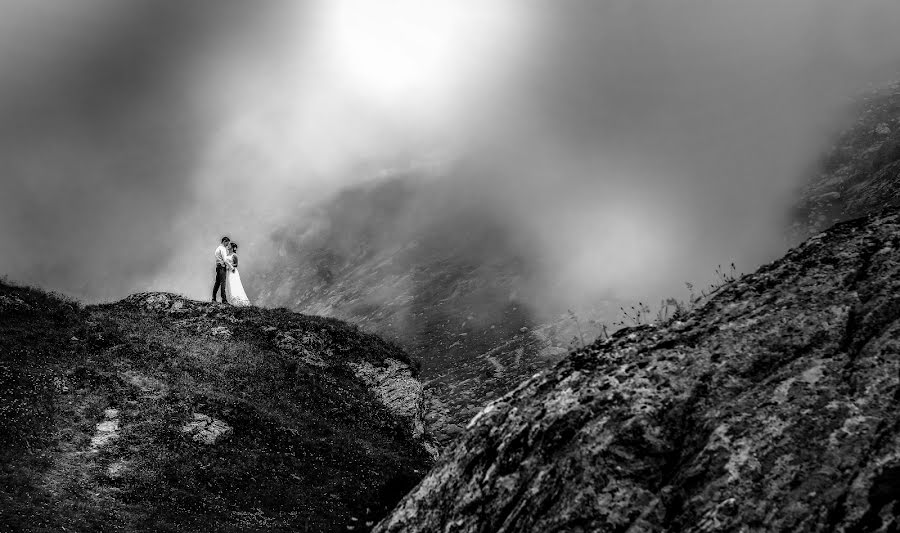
(106, 431)
(205, 429)
(774, 407)
(397, 389)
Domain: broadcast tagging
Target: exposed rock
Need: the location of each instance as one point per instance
(116, 469)
(107, 430)
(205, 429)
(774, 407)
(398, 390)
(859, 173)
(158, 301)
(220, 331)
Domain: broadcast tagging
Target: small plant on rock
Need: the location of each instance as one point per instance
(635, 315)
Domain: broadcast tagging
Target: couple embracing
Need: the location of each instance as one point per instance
(227, 276)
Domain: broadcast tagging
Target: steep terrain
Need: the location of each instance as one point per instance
(859, 174)
(159, 413)
(420, 261)
(773, 407)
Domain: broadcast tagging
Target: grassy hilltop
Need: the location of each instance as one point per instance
(95, 403)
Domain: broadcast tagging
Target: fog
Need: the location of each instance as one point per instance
(636, 144)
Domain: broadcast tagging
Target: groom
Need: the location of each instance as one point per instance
(221, 269)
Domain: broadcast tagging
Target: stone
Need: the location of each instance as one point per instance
(773, 407)
(205, 429)
(883, 129)
(397, 389)
(106, 431)
(161, 301)
(116, 469)
(220, 331)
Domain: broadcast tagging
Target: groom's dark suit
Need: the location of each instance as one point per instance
(221, 272)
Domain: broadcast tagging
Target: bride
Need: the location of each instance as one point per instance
(236, 294)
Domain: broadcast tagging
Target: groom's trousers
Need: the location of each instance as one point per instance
(220, 282)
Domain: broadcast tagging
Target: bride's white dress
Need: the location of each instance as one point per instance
(235, 289)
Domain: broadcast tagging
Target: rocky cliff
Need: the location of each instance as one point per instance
(774, 407)
(159, 413)
(859, 174)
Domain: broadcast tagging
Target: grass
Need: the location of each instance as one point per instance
(311, 449)
(671, 308)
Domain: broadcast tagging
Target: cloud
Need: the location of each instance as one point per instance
(638, 144)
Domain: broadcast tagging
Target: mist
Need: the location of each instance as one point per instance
(635, 145)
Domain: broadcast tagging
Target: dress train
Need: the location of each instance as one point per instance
(236, 294)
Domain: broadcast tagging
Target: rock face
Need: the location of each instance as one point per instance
(858, 175)
(774, 407)
(398, 390)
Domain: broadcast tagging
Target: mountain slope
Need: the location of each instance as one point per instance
(774, 407)
(158, 413)
(861, 172)
(423, 262)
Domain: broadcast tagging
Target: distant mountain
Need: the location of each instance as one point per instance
(159, 413)
(426, 262)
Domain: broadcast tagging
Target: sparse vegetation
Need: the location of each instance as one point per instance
(311, 450)
(635, 315)
(672, 308)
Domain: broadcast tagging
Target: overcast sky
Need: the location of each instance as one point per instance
(639, 143)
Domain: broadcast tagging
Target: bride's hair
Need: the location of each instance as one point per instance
(234, 247)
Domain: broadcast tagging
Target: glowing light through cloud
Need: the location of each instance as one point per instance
(418, 50)
(397, 46)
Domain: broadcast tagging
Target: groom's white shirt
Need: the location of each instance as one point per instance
(221, 253)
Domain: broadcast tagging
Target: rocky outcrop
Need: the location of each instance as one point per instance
(774, 407)
(106, 431)
(397, 389)
(858, 175)
(205, 429)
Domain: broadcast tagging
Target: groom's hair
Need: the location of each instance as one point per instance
(225, 239)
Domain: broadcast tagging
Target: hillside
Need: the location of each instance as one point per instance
(771, 408)
(158, 413)
(418, 260)
(859, 174)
